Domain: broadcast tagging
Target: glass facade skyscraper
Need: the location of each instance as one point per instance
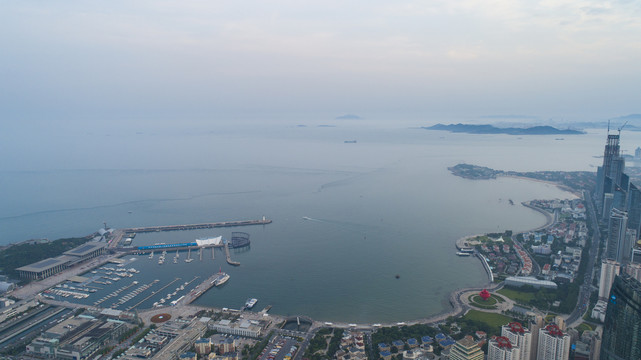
(622, 329)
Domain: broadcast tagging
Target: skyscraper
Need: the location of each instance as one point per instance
(553, 344)
(622, 325)
(617, 168)
(634, 208)
(611, 152)
(616, 235)
(608, 200)
(501, 348)
(604, 181)
(535, 325)
(520, 337)
(609, 270)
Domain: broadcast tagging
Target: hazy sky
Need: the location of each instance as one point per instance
(110, 60)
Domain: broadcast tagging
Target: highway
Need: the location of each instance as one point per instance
(586, 289)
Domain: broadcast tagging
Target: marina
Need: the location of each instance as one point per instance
(136, 280)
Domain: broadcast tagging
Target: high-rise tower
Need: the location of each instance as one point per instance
(609, 270)
(519, 336)
(611, 152)
(501, 348)
(622, 328)
(553, 344)
(616, 235)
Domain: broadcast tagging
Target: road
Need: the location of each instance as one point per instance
(586, 289)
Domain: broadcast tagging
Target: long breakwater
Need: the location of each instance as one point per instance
(147, 229)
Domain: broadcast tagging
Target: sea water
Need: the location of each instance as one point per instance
(361, 232)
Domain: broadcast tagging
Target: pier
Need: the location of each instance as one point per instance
(200, 289)
(229, 260)
(263, 221)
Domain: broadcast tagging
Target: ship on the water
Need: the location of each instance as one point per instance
(221, 278)
(250, 303)
(460, 253)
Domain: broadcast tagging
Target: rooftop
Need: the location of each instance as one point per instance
(45, 264)
(503, 342)
(86, 248)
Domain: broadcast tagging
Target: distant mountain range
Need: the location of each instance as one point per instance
(632, 121)
(490, 129)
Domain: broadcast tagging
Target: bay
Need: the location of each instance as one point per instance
(381, 207)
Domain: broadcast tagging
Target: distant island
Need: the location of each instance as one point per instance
(490, 129)
(348, 117)
(568, 180)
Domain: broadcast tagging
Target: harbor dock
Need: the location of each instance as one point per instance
(200, 289)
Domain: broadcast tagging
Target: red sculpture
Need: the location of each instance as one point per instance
(484, 294)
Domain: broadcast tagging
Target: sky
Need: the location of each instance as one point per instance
(67, 62)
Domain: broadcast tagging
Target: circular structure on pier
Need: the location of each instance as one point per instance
(160, 318)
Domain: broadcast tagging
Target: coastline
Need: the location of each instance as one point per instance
(458, 308)
(560, 186)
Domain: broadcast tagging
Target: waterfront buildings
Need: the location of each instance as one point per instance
(501, 348)
(249, 328)
(553, 344)
(466, 349)
(622, 328)
(520, 337)
(352, 347)
(47, 267)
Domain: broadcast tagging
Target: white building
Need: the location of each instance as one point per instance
(244, 328)
(598, 311)
(501, 348)
(553, 344)
(609, 269)
(520, 337)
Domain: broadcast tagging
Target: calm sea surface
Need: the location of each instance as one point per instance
(383, 206)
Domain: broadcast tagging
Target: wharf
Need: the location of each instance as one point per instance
(196, 226)
(200, 289)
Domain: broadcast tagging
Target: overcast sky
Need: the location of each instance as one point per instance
(109, 60)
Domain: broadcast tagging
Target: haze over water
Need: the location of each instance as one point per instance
(384, 206)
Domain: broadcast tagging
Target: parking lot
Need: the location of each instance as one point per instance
(280, 348)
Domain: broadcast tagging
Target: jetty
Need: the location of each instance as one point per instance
(200, 289)
(229, 260)
(212, 225)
